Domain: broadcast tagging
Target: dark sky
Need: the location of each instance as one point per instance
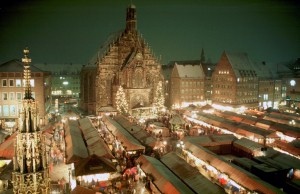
(59, 31)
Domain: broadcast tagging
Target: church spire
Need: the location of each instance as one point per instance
(131, 18)
(27, 74)
(202, 58)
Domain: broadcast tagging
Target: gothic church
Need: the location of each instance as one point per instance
(124, 60)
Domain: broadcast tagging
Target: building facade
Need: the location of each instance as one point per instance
(291, 77)
(12, 92)
(124, 60)
(187, 84)
(65, 80)
(87, 96)
(271, 88)
(272, 93)
(235, 82)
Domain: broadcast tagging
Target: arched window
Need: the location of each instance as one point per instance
(138, 79)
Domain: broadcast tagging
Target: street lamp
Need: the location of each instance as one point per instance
(180, 145)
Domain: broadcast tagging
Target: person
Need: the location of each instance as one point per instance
(133, 191)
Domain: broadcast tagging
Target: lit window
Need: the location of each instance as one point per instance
(31, 82)
(18, 83)
(65, 83)
(12, 110)
(5, 110)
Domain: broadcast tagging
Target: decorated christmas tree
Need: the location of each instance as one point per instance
(121, 102)
(159, 98)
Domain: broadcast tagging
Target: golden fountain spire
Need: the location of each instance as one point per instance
(27, 74)
(31, 162)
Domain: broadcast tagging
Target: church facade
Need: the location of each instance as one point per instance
(124, 60)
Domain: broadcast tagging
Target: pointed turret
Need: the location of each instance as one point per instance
(131, 18)
(202, 58)
(27, 74)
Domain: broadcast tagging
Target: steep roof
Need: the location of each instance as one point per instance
(95, 144)
(164, 179)
(65, 68)
(122, 134)
(190, 71)
(105, 47)
(16, 66)
(241, 64)
(194, 179)
(266, 70)
(184, 62)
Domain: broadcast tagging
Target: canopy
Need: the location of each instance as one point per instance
(94, 165)
(75, 146)
(131, 143)
(193, 178)
(94, 142)
(163, 178)
(176, 120)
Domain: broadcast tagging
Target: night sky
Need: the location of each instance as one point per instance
(58, 31)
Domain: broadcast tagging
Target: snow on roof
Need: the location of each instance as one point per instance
(241, 64)
(266, 70)
(64, 68)
(190, 71)
(17, 66)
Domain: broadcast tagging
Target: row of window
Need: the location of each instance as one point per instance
(192, 97)
(223, 79)
(8, 110)
(224, 86)
(246, 79)
(189, 91)
(224, 72)
(191, 83)
(266, 89)
(58, 82)
(15, 82)
(60, 92)
(229, 93)
(14, 95)
(247, 93)
(239, 101)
